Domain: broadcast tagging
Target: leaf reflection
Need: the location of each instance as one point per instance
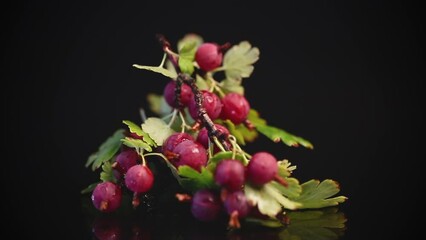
(323, 224)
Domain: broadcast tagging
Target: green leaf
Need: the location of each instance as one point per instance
(193, 180)
(157, 129)
(265, 203)
(231, 86)
(92, 158)
(201, 83)
(240, 132)
(187, 49)
(277, 135)
(106, 151)
(186, 65)
(248, 135)
(234, 131)
(169, 66)
(213, 161)
(158, 104)
(270, 189)
(269, 199)
(254, 117)
(316, 194)
(285, 169)
(107, 174)
(225, 155)
(238, 60)
(157, 69)
(189, 39)
(136, 143)
(133, 128)
(293, 189)
(238, 63)
(90, 188)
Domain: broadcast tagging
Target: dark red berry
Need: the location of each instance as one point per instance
(237, 201)
(211, 102)
(186, 94)
(172, 141)
(190, 153)
(229, 173)
(262, 168)
(208, 56)
(127, 159)
(203, 136)
(235, 108)
(139, 179)
(206, 205)
(106, 197)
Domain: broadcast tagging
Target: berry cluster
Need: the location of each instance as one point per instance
(128, 171)
(231, 175)
(204, 124)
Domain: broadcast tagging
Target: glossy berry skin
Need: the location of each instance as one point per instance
(186, 94)
(205, 205)
(211, 102)
(139, 179)
(229, 173)
(190, 153)
(208, 56)
(235, 108)
(127, 159)
(106, 197)
(237, 201)
(173, 140)
(203, 136)
(262, 168)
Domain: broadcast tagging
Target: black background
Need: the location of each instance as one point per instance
(349, 76)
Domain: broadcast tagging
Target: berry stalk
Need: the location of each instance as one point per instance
(168, 50)
(203, 117)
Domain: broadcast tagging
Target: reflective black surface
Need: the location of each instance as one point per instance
(177, 223)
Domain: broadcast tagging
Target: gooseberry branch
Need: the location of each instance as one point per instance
(185, 79)
(202, 127)
(202, 114)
